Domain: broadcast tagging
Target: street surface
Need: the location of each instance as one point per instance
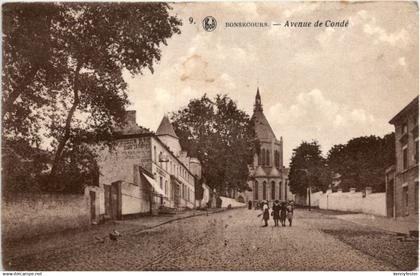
(234, 240)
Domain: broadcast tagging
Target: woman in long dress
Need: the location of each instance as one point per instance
(265, 213)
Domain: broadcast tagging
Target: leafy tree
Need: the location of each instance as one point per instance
(31, 62)
(362, 161)
(72, 79)
(22, 166)
(221, 136)
(308, 169)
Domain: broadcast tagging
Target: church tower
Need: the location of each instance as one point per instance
(269, 176)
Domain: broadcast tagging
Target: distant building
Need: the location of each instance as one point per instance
(144, 172)
(269, 176)
(403, 186)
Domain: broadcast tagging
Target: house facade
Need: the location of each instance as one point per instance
(268, 176)
(402, 180)
(144, 172)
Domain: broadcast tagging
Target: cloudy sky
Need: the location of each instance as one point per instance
(327, 84)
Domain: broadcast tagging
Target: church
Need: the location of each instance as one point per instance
(268, 176)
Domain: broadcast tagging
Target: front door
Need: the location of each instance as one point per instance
(92, 205)
(108, 208)
(390, 199)
(116, 200)
(176, 195)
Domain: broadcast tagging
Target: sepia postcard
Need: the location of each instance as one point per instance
(210, 136)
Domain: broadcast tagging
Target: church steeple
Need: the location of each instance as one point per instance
(258, 105)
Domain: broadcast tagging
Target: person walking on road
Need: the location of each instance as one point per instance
(290, 213)
(283, 214)
(276, 212)
(265, 213)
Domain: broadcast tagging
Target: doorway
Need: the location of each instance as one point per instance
(92, 196)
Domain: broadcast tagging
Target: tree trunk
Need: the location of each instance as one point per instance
(67, 127)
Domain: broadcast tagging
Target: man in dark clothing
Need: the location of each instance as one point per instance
(276, 212)
(283, 214)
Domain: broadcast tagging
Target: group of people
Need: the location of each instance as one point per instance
(280, 211)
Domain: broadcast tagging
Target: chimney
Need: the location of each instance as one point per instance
(130, 118)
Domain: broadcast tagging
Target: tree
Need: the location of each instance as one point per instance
(221, 136)
(308, 169)
(89, 45)
(362, 161)
(31, 62)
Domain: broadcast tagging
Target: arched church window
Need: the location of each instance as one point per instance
(273, 190)
(263, 157)
(280, 191)
(264, 190)
(256, 190)
(267, 156)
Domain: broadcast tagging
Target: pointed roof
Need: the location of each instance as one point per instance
(262, 127)
(166, 128)
(274, 172)
(259, 172)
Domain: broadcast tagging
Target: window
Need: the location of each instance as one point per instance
(183, 191)
(256, 190)
(273, 190)
(405, 157)
(154, 153)
(264, 190)
(404, 129)
(405, 199)
(263, 157)
(161, 182)
(276, 158)
(166, 187)
(267, 156)
(280, 191)
(416, 196)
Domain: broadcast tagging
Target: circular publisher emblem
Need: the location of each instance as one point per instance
(209, 23)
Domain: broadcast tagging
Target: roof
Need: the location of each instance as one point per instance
(410, 108)
(259, 172)
(166, 128)
(274, 172)
(261, 126)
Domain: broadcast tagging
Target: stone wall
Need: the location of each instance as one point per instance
(29, 215)
(372, 203)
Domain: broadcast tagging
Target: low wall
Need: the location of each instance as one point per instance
(374, 203)
(226, 201)
(29, 215)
